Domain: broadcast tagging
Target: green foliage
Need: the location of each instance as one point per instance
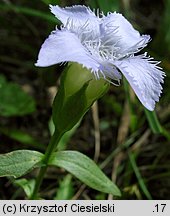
(65, 190)
(105, 5)
(26, 185)
(2, 81)
(155, 125)
(29, 12)
(138, 175)
(161, 41)
(53, 2)
(153, 122)
(166, 22)
(14, 101)
(25, 25)
(66, 137)
(85, 170)
(22, 137)
(18, 163)
(69, 106)
(73, 101)
(67, 113)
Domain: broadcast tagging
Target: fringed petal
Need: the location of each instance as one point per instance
(64, 46)
(145, 77)
(118, 31)
(77, 18)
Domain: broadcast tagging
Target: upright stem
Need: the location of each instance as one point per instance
(50, 149)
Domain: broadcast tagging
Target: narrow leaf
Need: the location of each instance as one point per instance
(139, 177)
(65, 190)
(153, 122)
(85, 170)
(30, 12)
(53, 2)
(21, 136)
(18, 163)
(26, 185)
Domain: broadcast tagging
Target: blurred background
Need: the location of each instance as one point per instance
(131, 146)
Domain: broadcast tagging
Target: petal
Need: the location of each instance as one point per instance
(145, 77)
(76, 17)
(108, 70)
(121, 33)
(62, 46)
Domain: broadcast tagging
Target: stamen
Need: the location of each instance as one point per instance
(114, 82)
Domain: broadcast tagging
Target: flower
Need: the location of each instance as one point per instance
(107, 45)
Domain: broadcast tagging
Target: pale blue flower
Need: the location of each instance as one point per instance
(107, 46)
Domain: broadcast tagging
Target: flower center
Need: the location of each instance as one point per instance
(101, 49)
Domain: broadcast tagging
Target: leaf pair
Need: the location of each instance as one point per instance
(18, 163)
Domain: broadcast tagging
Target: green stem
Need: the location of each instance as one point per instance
(50, 149)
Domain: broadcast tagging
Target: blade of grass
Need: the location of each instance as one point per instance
(29, 11)
(55, 2)
(166, 134)
(138, 175)
(153, 121)
(155, 125)
(22, 137)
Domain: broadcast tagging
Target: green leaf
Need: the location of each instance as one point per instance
(53, 2)
(155, 125)
(30, 12)
(26, 185)
(65, 190)
(105, 5)
(22, 137)
(18, 163)
(138, 175)
(85, 170)
(153, 122)
(14, 101)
